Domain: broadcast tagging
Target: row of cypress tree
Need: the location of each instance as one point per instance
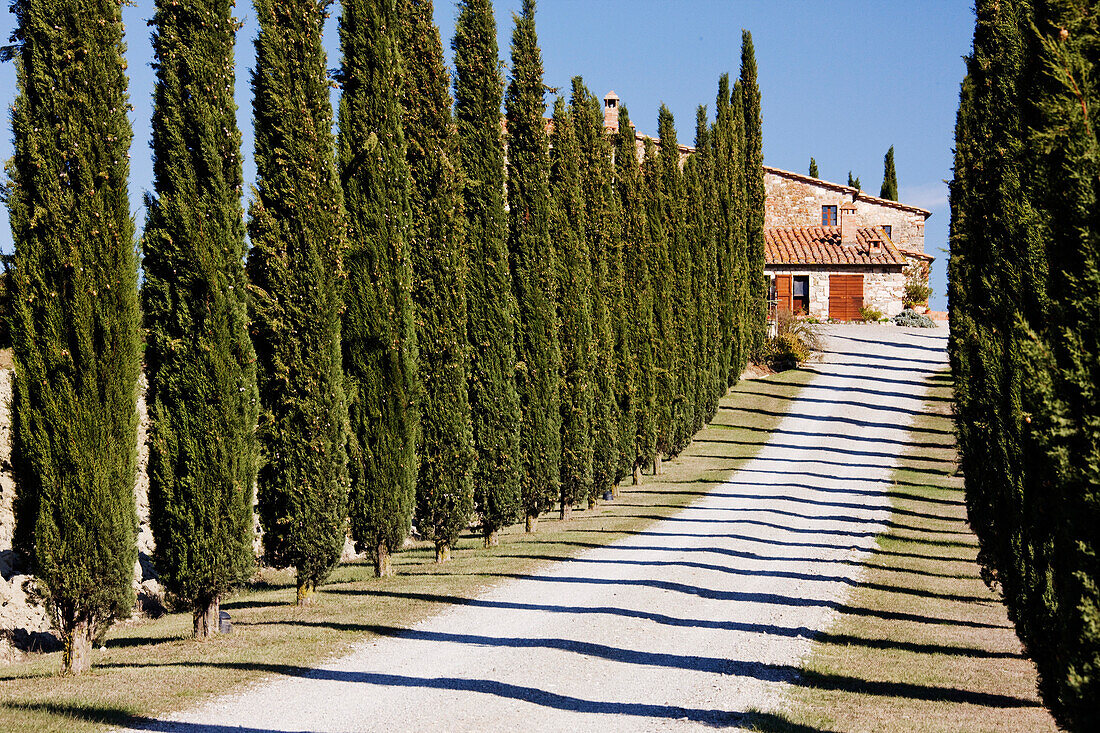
(1024, 289)
(394, 340)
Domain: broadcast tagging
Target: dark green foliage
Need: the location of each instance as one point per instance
(613, 417)
(729, 191)
(1024, 289)
(702, 229)
(889, 177)
(661, 279)
(74, 316)
(444, 491)
(854, 182)
(296, 229)
(753, 146)
(575, 294)
(379, 340)
(638, 288)
(682, 343)
(201, 366)
(531, 258)
(813, 168)
(494, 403)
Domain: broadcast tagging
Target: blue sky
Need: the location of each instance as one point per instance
(841, 81)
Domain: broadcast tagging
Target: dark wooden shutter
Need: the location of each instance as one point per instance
(845, 297)
(783, 292)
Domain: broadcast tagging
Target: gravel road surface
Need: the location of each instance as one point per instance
(694, 623)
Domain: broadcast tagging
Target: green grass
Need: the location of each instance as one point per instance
(153, 667)
(925, 564)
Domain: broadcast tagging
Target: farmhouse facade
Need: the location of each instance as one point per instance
(833, 250)
(830, 250)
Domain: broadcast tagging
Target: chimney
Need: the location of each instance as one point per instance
(848, 223)
(611, 111)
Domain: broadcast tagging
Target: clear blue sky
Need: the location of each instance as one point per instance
(841, 81)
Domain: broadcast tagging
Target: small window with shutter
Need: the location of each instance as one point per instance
(828, 216)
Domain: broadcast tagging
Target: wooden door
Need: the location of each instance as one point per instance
(783, 292)
(845, 297)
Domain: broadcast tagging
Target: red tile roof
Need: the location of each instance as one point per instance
(819, 245)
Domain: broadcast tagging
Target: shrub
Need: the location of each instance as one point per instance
(912, 319)
(869, 314)
(795, 340)
(916, 293)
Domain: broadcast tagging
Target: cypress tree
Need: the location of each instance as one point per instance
(853, 182)
(703, 229)
(813, 168)
(637, 286)
(296, 229)
(379, 340)
(74, 318)
(664, 327)
(531, 259)
(494, 403)
(757, 291)
(742, 323)
(574, 290)
(726, 156)
(681, 338)
(200, 363)
(612, 420)
(889, 177)
(444, 491)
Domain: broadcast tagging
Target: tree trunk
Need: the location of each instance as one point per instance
(532, 523)
(566, 510)
(615, 491)
(76, 655)
(382, 566)
(492, 539)
(591, 501)
(206, 618)
(306, 588)
(442, 552)
(637, 474)
(657, 465)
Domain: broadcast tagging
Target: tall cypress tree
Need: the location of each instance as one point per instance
(444, 490)
(743, 325)
(680, 335)
(202, 396)
(531, 258)
(609, 421)
(757, 292)
(379, 339)
(296, 229)
(494, 403)
(701, 224)
(727, 157)
(813, 168)
(574, 290)
(637, 285)
(661, 278)
(889, 177)
(74, 318)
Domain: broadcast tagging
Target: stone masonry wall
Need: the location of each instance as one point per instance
(792, 202)
(883, 288)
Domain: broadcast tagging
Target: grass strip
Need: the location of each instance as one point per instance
(986, 682)
(150, 668)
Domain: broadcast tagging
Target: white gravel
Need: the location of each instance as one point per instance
(688, 625)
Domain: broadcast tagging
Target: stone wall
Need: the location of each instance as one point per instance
(883, 288)
(794, 202)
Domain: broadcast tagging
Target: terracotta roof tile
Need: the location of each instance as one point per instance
(819, 245)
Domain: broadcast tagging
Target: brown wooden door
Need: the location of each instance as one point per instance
(845, 297)
(783, 292)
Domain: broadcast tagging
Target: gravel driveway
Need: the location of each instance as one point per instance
(693, 623)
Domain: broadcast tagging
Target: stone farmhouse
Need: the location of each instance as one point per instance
(830, 250)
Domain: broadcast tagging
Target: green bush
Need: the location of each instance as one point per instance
(916, 293)
(912, 319)
(869, 314)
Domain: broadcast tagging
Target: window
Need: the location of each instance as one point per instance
(800, 294)
(889, 230)
(828, 216)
